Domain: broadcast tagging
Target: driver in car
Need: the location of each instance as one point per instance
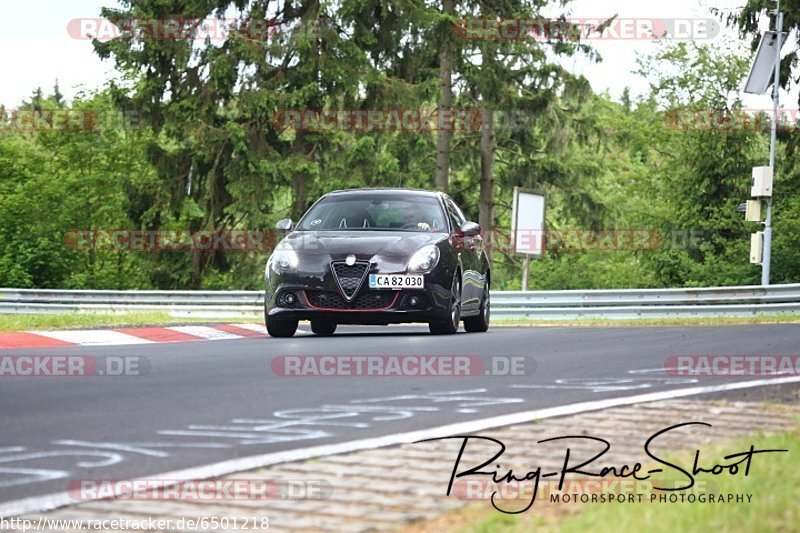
(413, 217)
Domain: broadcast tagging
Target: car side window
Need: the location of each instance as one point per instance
(456, 217)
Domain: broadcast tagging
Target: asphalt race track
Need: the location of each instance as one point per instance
(205, 402)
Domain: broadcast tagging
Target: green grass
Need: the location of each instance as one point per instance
(773, 507)
(647, 322)
(90, 320)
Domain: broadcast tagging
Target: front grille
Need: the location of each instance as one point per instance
(365, 301)
(349, 277)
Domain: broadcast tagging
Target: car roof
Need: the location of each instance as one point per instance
(388, 191)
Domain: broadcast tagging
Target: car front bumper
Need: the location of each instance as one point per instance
(319, 299)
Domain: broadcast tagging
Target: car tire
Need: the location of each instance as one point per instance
(323, 328)
(449, 327)
(480, 323)
(277, 327)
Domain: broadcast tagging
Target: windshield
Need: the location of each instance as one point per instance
(375, 213)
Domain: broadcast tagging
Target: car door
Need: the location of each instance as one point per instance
(469, 250)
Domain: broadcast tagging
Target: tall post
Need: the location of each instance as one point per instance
(526, 266)
(767, 258)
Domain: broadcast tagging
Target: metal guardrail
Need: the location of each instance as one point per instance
(654, 303)
(546, 305)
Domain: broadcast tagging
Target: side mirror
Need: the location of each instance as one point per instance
(470, 229)
(284, 225)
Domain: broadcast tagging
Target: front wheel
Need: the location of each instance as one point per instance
(480, 323)
(448, 327)
(277, 327)
(323, 328)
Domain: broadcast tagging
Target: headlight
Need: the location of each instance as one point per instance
(424, 259)
(283, 260)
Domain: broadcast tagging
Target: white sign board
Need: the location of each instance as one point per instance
(528, 222)
(762, 70)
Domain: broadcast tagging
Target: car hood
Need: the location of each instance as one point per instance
(364, 244)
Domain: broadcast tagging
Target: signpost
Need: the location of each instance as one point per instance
(527, 227)
(766, 67)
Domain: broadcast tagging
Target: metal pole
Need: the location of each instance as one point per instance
(526, 264)
(767, 259)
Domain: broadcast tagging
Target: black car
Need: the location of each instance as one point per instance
(378, 256)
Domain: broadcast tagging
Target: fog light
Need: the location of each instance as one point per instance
(286, 299)
(413, 301)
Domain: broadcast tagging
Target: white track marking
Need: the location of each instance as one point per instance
(35, 475)
(609, 384)
(40, 504)
(93, 337)
(258, 328)
(109, 458)
(205, 332)
(116, 446)
(139, 447)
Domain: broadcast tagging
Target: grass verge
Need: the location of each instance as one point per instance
(649, 322)
(92, 320)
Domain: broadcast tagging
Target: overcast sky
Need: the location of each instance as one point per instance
(35, 47)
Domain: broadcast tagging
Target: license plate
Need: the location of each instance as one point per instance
(396, 281)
